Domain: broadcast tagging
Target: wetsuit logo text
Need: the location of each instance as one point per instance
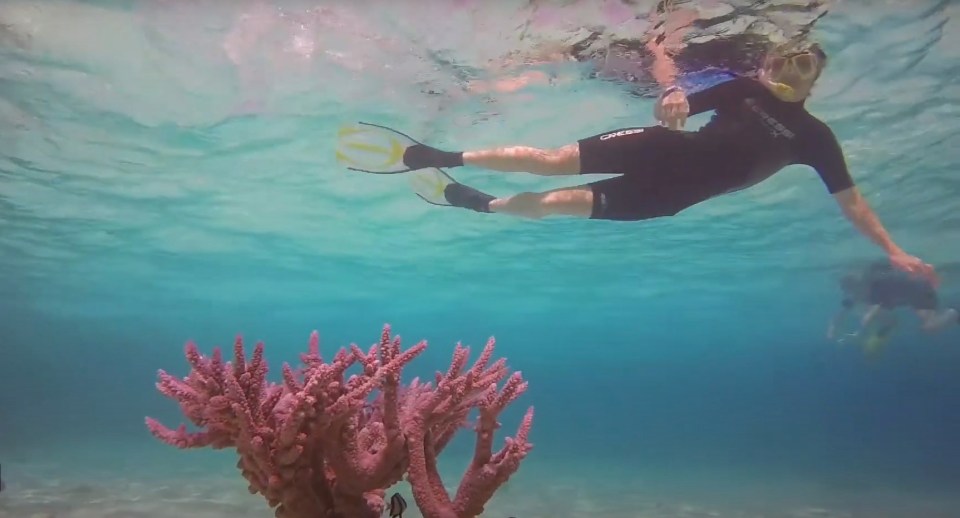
(621, 133)
(776, 128)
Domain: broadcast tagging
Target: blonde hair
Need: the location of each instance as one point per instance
(798, 45)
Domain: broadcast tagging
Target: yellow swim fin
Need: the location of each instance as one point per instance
(878, 335)
(371, 148)
(873, 345)
(429, 184)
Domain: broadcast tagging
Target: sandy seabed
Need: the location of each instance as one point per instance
(117, 481)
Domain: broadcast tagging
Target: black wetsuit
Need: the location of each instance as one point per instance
(890, 288)
(751, 136)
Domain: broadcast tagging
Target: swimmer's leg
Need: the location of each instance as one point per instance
(545, 162)
(513, 159)
(933, 321)
(568, 201)
(644, 189)
(620, 198)
(614, 152)
(886, 323)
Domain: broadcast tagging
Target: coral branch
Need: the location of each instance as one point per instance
(319, 444)
(443, 411)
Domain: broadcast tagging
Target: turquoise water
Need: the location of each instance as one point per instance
(167, 174)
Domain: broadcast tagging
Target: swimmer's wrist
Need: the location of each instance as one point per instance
(670, 89)
(893, 250)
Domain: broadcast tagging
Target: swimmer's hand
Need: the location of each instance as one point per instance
(914, 266)
(509, 84)
(672, 109)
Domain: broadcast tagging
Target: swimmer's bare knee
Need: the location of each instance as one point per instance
(536, 205)
(571, 202)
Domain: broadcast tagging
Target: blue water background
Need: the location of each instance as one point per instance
(138, 210)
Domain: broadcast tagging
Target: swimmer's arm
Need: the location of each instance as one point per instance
(823, 153)
(510, 84)
(858, 211)
(725, 93)
(664, 70)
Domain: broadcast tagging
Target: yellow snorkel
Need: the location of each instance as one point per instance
(787, 75)
(782, 90)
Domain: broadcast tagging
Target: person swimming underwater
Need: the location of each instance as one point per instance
(881, 289)
(760, 125)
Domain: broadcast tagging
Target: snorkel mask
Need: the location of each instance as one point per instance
(785, 72)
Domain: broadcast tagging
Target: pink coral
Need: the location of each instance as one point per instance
(316, 445)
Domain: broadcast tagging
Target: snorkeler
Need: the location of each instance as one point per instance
(882, 289)
(760, 126)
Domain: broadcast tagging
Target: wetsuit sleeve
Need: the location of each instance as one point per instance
(824, 155)
(723, 94)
